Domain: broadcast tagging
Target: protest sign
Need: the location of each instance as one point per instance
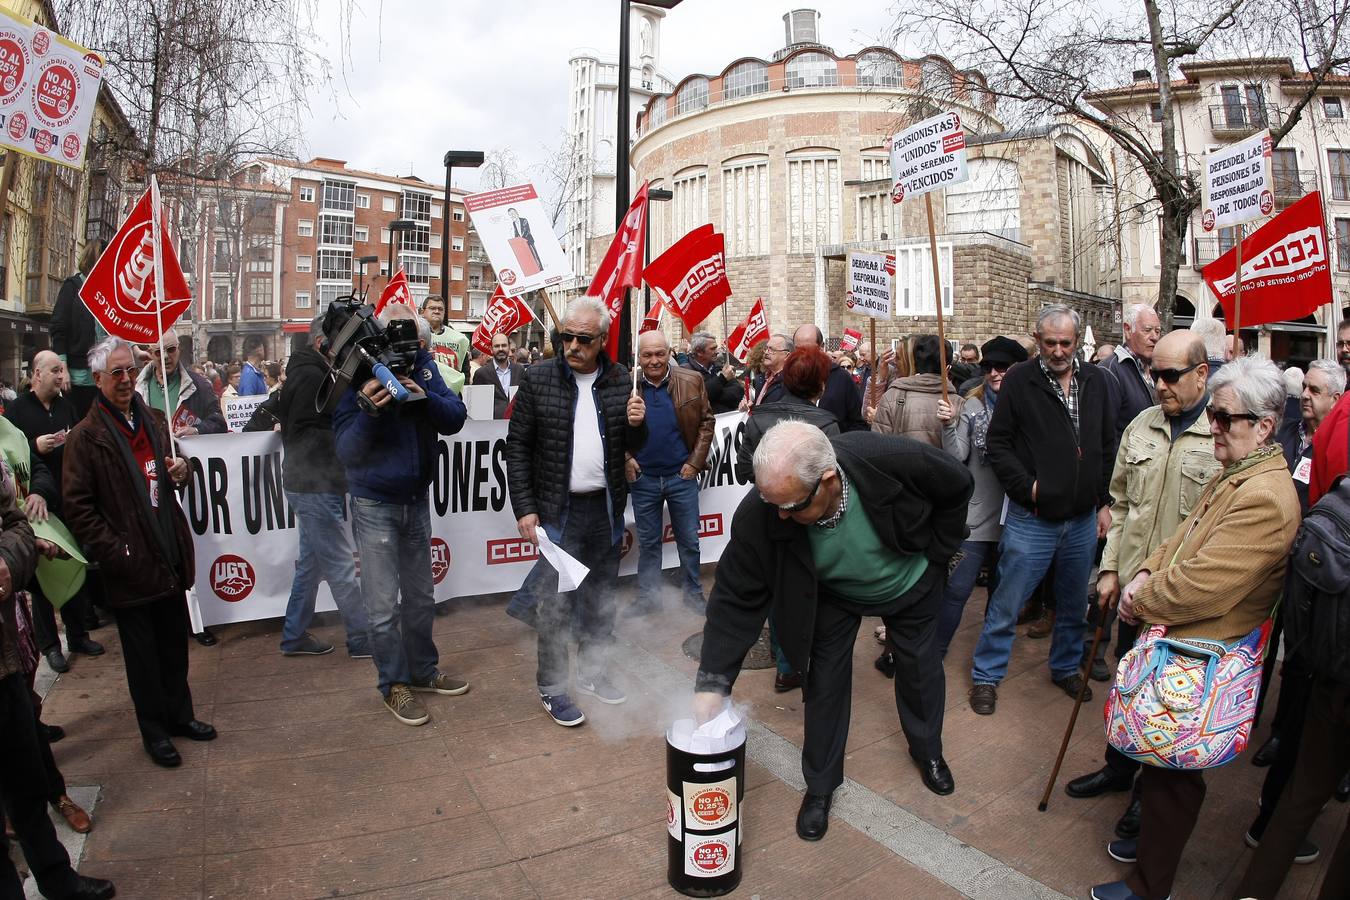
(246, 540)
(48, 88)
(849, 341)
(518, 236)
(691, 276)
(1238, 185)
(238, 410)
(754, 330)
(869, 285)
(927, 156)
(1286, 273)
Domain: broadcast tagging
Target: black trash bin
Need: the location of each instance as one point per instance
(704, 820)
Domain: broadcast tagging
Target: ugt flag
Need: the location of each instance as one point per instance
(622, 266)
(396, 291)
(691, 277)
(754, 330)
(503, 316)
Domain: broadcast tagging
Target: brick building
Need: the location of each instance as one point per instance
(788, 158)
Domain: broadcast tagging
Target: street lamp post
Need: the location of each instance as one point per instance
(396, 229)
(364, 261)
(465, 159)
(659, 195)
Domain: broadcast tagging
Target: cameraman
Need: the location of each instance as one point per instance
(389, 456)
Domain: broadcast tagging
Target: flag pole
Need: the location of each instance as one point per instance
(937, 291)
(548, 305)
(1238, 349)
(156, 231)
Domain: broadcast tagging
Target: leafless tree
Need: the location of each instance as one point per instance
(1048, 60)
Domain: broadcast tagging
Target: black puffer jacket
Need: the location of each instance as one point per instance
(539, 440)
(73, 331)
(310, 465)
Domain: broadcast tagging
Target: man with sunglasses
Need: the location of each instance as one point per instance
(861, 524)
(1051, 441)
(576, 418)
(1131, 387)
(1166, 458)
(186, 398)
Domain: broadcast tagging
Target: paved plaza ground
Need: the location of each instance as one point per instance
(314, 790)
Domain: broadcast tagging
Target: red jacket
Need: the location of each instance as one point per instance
(1330, 451)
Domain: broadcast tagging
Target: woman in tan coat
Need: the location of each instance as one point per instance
(909, 406)
(1218, 577)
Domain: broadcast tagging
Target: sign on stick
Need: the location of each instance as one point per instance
(1238, 185)
(869, 285)
(518, 236)
(928, 156)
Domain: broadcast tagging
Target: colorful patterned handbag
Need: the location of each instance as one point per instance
(1185, 704)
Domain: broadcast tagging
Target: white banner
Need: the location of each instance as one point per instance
(48, 87)
(928, 156)
(869, 285)
(1238, 186)
(246, 539)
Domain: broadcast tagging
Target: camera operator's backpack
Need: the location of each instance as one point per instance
(1317, 586)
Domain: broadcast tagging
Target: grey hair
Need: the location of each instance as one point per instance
(797, 447)
(1258, 383)
(591, 305)
(787, 339)
(1213, 334)
(1293, 381)
(1332, 370)
(316, 328)
(1059, 311)
(700, 339)
(1134, 311)
(424, 331)
(99, 353)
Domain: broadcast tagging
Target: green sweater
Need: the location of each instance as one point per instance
(851, 562)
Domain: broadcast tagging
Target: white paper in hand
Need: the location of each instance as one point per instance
(570, 572)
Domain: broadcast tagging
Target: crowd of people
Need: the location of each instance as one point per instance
(1159, 483)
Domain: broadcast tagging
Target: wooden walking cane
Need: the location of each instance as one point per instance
(1073, 719)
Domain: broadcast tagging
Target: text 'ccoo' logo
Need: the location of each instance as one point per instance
(510, 550)
(1299, 251)
(232, 578)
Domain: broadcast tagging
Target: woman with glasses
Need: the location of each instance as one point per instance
(1217, 578)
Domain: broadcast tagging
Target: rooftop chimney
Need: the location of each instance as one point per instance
(802, 26)
(1142, 75)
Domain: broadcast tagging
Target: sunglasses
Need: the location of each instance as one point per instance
(802, 504)
(123, 372)
(1172, 376)
(1225, 418)
(999, 367)
(568, 337)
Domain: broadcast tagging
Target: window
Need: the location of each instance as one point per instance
(435, 210)
(989, 200)
(457, 302)
(339, 195)
(306, 194)
(435, 240)
(813, 202)
(1343, 245)
(330, 292)
(1243, 105)
(744, 80)
(415, 267)
(434, 271)
(361, 234)
(418, 240)
(302, 299)
(745, 207)
(260, 265)
(388, 204)
(259, 298)
(812, 69)
(363, 201)
(456, 273)
(693, 96)
(220, 301)
(878, 215)
(934, 78)
(457, 215)
(1339, 164)
(305, 228)
(657, 112)
(335, 265)
(876, 68)
(1155, 112)
(384, 235)
(456, 244)
(335, 230)
(417, 206)
(1227, 238)
(1332, 109)
(689, 206)
(304, 264)
(1284, 173)
(914, 280)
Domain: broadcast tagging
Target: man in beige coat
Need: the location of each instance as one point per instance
(1166, 458)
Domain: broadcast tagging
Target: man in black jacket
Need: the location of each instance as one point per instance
(859, 525)
(1131, 389)
(74, 330)
(1051, 442)
(723, 389)
(502, 373)
(575, 418)
(316, 489)
(842, 396)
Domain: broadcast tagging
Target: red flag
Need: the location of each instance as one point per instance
(396, 291)
(503, 316)
(691, 276)
(622, 266)
(652, 320)
(1286, 267)
(754, 330)
(120, 290)
(849, 342)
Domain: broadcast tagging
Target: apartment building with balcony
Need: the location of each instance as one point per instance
(1219, 102)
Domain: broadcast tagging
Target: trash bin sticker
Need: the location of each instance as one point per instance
(672, 814)
(708, 857)
(708, 806)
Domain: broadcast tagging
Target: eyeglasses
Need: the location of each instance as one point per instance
(802, 504)
(123, 372)
(999, 367)
(775, 349)
(568, 337)
(1172, 376)
(1225, 418)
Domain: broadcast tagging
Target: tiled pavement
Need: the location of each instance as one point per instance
(314, 790)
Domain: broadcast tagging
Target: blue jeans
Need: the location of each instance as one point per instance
(325, 554)
(1028, 548)
(395, 545)
(681, 496)
(959, 585)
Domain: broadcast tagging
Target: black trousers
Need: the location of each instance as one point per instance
(920, 683)
(1324, 749)
(154, 648)
(1295, 689)
(24, 789)
(1171, 805)
(44, 619)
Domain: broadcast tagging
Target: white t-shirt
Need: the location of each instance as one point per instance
(588, 453)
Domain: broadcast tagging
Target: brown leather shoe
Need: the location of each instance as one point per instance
(1042, 627)
(75, 817)
(983, 699)
(789, 682)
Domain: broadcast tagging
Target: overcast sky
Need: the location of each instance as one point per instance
(425, 77)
